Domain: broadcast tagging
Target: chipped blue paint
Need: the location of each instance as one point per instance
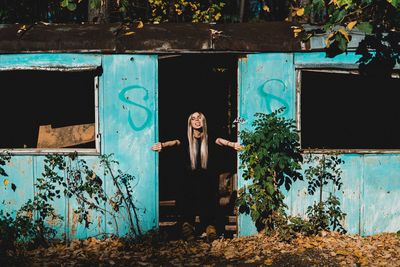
(125, 99)
(128, 121)
(28, 61)
(319, 59)
(371, 182)
(20, 172)
(128, 76)
(123, 75)
(266, 83)
(273, 102)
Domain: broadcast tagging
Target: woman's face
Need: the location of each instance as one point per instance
(196, 121)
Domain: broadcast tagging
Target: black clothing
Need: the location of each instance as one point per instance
(199, 188)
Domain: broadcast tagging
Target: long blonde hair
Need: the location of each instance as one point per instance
(203, 144)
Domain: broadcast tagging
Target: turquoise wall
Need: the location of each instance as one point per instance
(127, 112)
(128, 121)
(371, 181)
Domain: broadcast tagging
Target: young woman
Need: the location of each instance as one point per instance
(199, 184)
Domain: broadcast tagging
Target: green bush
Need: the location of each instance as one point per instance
(271, 158)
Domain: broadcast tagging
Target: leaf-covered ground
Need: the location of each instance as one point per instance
(326, 249)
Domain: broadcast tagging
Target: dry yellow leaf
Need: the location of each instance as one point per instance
(358, 253)
(266, 8)
(345, 34)
(129, 33)
(308, 245)
(300, 12)
(140, 25)
(296, 32)
(328, 40)
(268, 262)
(342, 252)
(23, 28)
(351, 25)
(6, 182)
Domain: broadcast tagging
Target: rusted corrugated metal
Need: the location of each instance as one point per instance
(152, 38)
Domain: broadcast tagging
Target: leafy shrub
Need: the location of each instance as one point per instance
(271, 159)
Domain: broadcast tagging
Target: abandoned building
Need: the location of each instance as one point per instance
(116, 88)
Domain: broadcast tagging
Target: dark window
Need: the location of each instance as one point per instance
(47, 109)
(349, 111)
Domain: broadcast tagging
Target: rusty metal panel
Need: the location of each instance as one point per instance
(164, 37)
(152, 38)
(257, 37)
(50, 137)
(266, 83)
(129, 108)
(58, 37)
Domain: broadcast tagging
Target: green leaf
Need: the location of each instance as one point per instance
(64, 3)
(365, 27)
(394, 3)
(341, 42)
(71, 6)
(94, 4)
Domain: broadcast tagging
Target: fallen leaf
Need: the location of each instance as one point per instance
(140, 24)
(300, 12)
(351, 25)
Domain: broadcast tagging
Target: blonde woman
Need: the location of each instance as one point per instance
(200, 182)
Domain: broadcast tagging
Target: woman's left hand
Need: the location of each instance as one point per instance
(237, 146)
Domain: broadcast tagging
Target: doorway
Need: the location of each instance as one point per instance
(205, 83)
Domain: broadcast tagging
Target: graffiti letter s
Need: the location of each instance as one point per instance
(127, 101)
(273, 100)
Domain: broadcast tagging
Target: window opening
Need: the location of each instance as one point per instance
(48, 110)
(347, 111)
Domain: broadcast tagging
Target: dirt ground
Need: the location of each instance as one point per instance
(326, 249)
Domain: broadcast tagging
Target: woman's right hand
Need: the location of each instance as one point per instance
(157, 147)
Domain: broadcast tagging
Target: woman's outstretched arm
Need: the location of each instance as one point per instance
(223, 142)
(161, 145)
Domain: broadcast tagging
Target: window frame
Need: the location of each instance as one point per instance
(96, 151)
(345, 69)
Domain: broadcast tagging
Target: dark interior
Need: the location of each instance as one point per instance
(349, 111)
(189, 83)
(30, 98)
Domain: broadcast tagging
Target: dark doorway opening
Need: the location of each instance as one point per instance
(205, 83)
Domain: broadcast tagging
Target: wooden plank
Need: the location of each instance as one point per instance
(166, 224)
(230, 227)
(167, 203)
(65, 136)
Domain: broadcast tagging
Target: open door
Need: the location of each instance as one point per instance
(189, 83)
(265, 84)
